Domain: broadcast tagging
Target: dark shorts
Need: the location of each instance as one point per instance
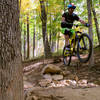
(68, 33)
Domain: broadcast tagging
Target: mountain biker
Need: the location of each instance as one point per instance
(67, 22)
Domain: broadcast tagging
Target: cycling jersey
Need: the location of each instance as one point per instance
(70, 19)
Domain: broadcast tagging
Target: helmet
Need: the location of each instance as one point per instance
(71, 6)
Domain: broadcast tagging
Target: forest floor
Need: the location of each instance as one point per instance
(33, 90)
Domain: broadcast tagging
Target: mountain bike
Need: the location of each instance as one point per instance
(80, 45)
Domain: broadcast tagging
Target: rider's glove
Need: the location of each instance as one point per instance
(87, 25)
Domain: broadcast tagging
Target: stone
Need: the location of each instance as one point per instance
(27, 85)
(51, 69)
(44, 82)
(57, 77)
(47, 77)
(82, 82)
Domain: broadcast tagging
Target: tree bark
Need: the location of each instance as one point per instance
(89, 2)
(11, 76)
(47, 50)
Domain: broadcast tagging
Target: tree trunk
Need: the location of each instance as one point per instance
(58, 43)
(28, 48)
(34, 41)
(53, 46)
(96, 23)
(24, 41)
(47, 51)
(89, 2)
(11, 75)
(50, 35)
(64, 5)
(20, 4)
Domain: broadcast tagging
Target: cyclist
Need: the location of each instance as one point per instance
(67, 22)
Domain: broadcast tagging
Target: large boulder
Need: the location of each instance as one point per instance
(51, 69)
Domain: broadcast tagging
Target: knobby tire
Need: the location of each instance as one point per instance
(85, 59)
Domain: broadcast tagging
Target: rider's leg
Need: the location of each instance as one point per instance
(66, 40)
(67, 36)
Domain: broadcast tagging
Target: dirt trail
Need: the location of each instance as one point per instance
(65, 93)
(32, 76)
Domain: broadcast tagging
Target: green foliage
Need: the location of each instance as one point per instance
(54, 9)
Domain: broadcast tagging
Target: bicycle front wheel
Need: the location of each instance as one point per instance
(84, 48)
(66, 56)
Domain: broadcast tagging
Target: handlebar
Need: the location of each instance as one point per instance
(86, 24)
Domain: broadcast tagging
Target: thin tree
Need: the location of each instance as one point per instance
(89, 3)
(34, 41)
(96, 22)
(47, 50)
(11, 81)
(64, 1)
(50, 36)
(28, 48)
(24, 41)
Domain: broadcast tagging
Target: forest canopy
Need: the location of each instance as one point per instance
(31, 24)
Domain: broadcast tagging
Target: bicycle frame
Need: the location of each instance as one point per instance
(74, 38)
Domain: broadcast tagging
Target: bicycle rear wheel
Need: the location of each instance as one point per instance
(84, 48)
(66, 56)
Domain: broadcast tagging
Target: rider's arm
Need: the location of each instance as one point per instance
(82, 21)
(63, 22)
(63, 19)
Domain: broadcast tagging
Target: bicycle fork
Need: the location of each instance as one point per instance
(84, 45)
